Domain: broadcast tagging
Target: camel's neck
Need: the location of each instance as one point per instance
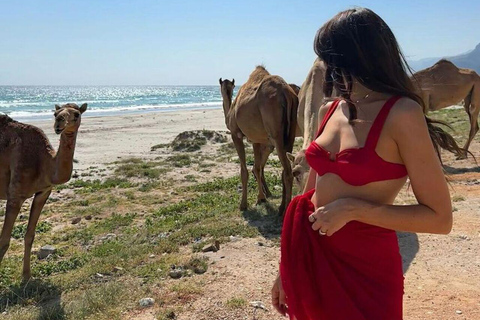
(63, 160)
(227, 103)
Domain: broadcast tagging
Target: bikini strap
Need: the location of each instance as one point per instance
(379, 121)
(327, 116)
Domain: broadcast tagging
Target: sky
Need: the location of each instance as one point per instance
(195, 42)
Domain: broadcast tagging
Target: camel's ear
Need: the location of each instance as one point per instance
(290, 157)
(233, 82)
(83, 108)
(57, 107)
(220, 81)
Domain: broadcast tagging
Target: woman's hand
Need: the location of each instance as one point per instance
(278, 296)
(333, 216)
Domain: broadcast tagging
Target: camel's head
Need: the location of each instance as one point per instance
(68, 117)
(295, 88)
(300, 168)
(226, 87)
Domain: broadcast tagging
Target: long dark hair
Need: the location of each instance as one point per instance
(358, 44)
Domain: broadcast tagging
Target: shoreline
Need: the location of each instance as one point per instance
(131, 135)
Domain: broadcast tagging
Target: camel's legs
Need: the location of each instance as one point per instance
(37, 206)
(238, 142)
(11, 213)
(265, 153)
(261, 153)
(472, 106)
(287, 177)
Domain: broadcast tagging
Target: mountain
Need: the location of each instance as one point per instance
(470, 60)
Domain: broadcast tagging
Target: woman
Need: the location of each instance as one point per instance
(340, 256)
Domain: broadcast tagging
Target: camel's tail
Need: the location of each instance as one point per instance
(290, 107)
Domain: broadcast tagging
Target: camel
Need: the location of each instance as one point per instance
(310, 100)
(29, 166)
(264, 112)
(443, 85)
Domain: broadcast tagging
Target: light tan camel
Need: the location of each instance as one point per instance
(29, 166)
(264, 112)
(310, 99)
(443, 85)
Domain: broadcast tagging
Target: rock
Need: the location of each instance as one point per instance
(22, 217)
(117, 269)
(151, 256)
(277, 187)
(176, 273)
(146, 302)
(210, 247)
(234, 239)
(217, 244)
(464, 237)
(45, 251)
(76, 220)
(258, 305)
(108, 236)
(458, 312)
(89, 217)
(261, 244)
(99, 275)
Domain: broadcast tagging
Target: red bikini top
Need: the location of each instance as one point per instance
(356, 166)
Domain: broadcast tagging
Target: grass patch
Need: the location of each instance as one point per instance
(180, 160)
(140, 169)
(19, 230)
(236, 303)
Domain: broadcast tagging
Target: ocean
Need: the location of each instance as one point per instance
(30, 103)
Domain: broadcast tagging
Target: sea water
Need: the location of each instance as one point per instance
(38, 102)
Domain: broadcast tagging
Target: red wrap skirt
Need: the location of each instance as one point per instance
(355, 274)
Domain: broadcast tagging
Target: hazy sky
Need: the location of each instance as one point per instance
(198, 41)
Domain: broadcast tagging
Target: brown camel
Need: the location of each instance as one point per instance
(310, 99)
(443, 85)
(264, 112)
(29, 166)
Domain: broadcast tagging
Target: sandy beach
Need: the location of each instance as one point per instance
(107, 139)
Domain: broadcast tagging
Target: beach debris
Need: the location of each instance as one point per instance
(146, 302)
(76, 220)
(45, 251)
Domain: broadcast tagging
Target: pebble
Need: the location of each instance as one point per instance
(458, 312)
(258, 305)
(45, 251)
(235, 239)
(146, 302)
(176, 273)
(210, 247)
(76, 220)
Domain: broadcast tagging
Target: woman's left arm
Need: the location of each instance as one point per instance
(432, 214)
